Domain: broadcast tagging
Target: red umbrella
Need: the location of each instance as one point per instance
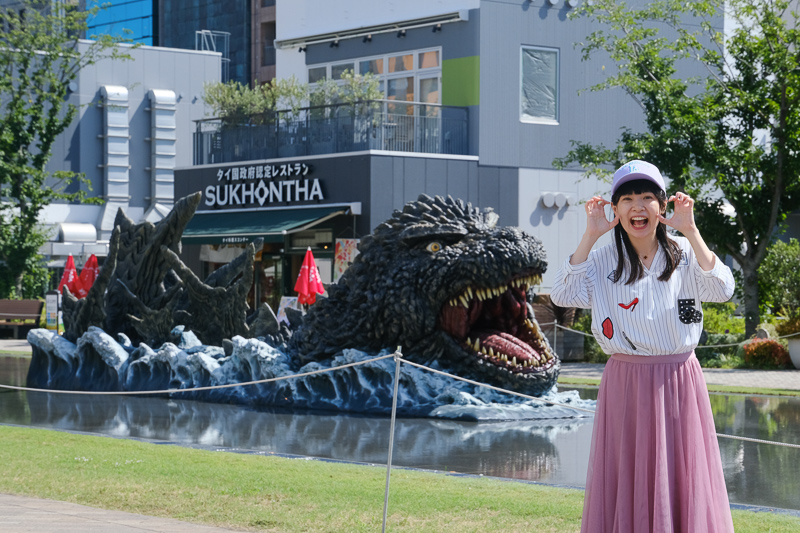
(70, 277)
(308, 283)
(87, 277)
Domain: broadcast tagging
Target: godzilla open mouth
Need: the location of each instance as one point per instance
(492, 323)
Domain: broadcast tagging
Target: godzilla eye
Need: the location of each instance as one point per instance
(433, 247)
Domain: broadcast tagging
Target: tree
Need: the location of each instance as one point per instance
(40, 54)
(779, 277)
(730, 135)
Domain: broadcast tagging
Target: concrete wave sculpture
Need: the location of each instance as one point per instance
(438, 278)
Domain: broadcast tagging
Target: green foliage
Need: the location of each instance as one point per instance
(766, 353)
(723, 328)
(779, 276)
(357, 88)
(40, 56)
(592, 353)
(237, 104)
(720, 318)
(707, 133)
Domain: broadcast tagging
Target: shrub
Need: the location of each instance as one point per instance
(766, 353)
(719, 356)
(592, 353)
(719, 318)
(779, 277)
(788, 326)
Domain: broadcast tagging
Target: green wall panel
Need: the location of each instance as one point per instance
(461, 81)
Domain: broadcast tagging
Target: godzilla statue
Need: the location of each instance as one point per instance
(438, 278)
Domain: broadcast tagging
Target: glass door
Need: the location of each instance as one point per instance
(429, 120)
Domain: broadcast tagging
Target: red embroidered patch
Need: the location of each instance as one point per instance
(608, 328)
(631, 305)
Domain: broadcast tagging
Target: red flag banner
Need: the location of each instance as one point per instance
(70, 278)
(87, 277)
(308, 283)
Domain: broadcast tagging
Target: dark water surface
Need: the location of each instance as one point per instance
(551, 451)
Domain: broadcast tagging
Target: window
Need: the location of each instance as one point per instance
(371, 66)
(401, 63)
(338, 70)
(316, 74)
(539, 85)
(429, 59)
(411, 76)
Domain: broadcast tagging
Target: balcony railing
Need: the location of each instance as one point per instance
(372, 125)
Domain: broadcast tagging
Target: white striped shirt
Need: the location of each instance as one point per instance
(648, 317)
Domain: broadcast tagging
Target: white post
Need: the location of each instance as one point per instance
(555, 335)
(397, 357)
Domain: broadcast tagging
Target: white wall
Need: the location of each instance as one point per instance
(301, 18)
(559, 228)
(304, 18)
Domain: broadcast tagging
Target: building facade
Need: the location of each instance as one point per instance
(136, 20)
(479, 98)
(134, 127)
(241, 31)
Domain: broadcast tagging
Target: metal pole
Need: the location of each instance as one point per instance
(397, 357)
(555, 335)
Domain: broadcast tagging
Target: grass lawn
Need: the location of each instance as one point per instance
(267, 493)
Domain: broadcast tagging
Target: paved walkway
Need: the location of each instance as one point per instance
(765, 379)
(20, 514)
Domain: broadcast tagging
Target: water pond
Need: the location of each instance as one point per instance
(550, 451)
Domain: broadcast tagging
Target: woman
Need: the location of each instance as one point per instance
(654, 463)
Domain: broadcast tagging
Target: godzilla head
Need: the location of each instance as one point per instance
(440, 280)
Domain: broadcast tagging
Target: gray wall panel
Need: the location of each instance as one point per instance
(381, 196)
(457, 39)
(474, 176)
(590, 117)
(508, 205)
(458, 179)
(436, 177)
(489, 187)
(414, 182)
(398, 182)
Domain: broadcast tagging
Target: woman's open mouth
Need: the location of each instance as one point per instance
(639, 222)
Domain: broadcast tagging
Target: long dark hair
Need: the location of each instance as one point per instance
(670, 247)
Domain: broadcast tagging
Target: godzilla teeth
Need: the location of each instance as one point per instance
(487, 293)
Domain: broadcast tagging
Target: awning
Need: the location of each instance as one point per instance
(244, 226)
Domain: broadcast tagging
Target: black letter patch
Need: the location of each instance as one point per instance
(687, 313)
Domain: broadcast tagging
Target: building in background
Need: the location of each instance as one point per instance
(262, 37)
(136, 20)
(134, 126)
(479, 97)
(223, 26)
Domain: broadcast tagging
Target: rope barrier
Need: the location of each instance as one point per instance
(498, 389)
(214, 387)
(758, 441)
(398, 359)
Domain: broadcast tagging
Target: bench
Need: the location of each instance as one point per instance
(17, 314)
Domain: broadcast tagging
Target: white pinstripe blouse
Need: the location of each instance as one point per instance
(648, 317)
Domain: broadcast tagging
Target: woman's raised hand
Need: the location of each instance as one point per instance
(597, 223)
(682, 218)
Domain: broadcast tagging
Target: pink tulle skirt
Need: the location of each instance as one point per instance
(654, 464)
